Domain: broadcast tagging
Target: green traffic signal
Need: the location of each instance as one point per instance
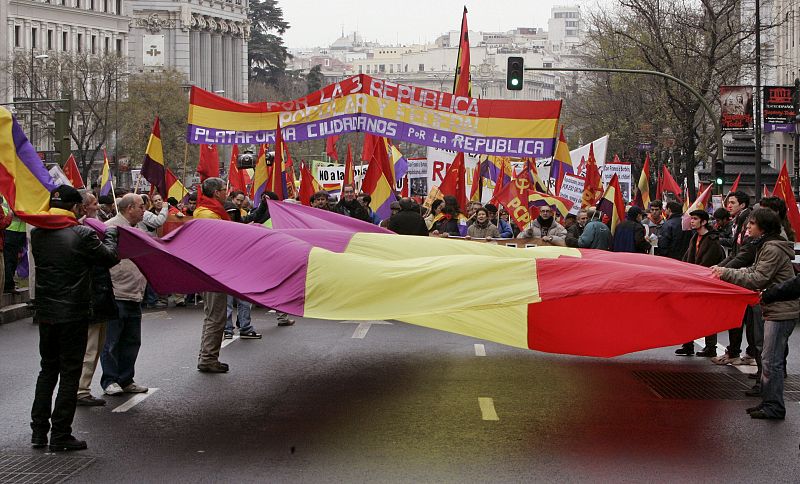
(719, 180)
(515, 72)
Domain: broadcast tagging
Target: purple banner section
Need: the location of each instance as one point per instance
(780, 128)
(397, 130)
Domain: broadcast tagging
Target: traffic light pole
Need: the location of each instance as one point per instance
(706, 106)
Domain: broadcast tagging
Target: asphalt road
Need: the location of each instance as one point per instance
(315, 403)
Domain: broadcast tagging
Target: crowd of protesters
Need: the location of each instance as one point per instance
(750, 247)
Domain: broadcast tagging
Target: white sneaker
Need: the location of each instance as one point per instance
(134, 388)
(114, 389)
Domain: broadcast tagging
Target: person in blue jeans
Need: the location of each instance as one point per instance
(243, 320)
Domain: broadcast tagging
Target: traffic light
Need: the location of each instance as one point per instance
(515, 73)
(719, 172)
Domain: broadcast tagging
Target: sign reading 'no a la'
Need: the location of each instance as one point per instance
(153, 50)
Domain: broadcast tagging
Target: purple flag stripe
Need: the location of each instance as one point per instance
(28, 156)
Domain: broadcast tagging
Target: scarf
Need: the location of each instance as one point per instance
(212, 204)
(542, 222)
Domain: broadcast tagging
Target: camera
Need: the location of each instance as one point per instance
(248, 160)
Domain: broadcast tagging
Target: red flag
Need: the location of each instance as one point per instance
(462, 86)
(500, 182)
(349, 172)
(72, 172)
(643, 188)
(370, 140)
(276, 178)
(208, 167)
(404, 192)
(765, 191)
(291, 187)
(514, 197)
(660, 187)
(476, 191)
(330, 147)
(783, 190)
(308, 185)
(454, 182)
(593, 184)
(735, 185)
(235, 176)
(669, 184)
(612, 203)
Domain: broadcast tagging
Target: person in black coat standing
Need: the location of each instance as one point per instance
(704, 250)
(408, 221)
(673, 240)
(629, 236)
(65, 258)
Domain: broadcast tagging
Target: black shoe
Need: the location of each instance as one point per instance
(754, 392)
(756, 408)
(761, 415)
(215, 367)
(249, 335)
(91, 401)
(684, 352)
(707, 353)
(39, 440)
(285, 322)
(67, 444)
(228, 336)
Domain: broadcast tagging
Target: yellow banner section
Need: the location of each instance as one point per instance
(232, 121)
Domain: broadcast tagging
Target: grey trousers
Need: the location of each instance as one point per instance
(215, 305)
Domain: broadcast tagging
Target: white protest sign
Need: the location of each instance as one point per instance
(440, 160)
(624, 174)
(572, 190)
(600, 148)
(58, 176)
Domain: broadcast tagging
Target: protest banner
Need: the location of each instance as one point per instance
(572, 190)
(364, 104)
(624, 175)
(439, 161)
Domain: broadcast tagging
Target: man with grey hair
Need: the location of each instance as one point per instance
(124, 333)
(215, 304)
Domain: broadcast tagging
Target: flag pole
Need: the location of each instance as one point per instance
(114, 196)
(185, 158)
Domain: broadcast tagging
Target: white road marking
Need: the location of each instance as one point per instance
(226, 342)
(363, 327)
(154, 315)
(134, 400)
(487, 409)
(480, 350)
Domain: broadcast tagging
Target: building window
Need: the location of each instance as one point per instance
(119, 47)
(94, 44)
(64, 39)
(17, 36)
(422, 68)
(77, 3)
(391, 68)
(49, 40)
(107, 44)
(406, 67)
(91, 4)
(80, 42)
(360, 69)
(382, 68)
(119, 7)
(105, 5)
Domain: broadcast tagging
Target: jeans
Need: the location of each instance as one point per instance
(123, 339)
(150, 296)
(61, 347)
(14, 241)
(776, 336)
(242, 316)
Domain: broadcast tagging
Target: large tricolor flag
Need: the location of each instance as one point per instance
(562, 162)
(260, 176)
(106, 178)
(559, 205)
(24, 181)
(73, 173)
(399, 163)
(175, 189)
(501, 294)
(153, 169)
(702, 203)
(612, 204)
(643, 188)
(462, 85)
(783, 190)
(276, 175)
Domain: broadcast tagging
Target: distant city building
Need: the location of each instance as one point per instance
(433, 65)
(205, 40)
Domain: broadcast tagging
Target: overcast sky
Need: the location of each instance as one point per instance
(315, 23)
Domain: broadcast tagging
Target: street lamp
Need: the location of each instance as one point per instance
(33, 83)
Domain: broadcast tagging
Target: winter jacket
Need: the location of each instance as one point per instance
(596, 235)
(629, 237)
(739, 238)
(353, 209)
(407, 222)
(65, 259)
(673, 240)
(104, 308)
(152, 221)
(744, 257)
(726, 235)
(448, 226)
(573, 234)
(489, 229)
(506, 232)
(129, 282)
(708, 253)
(773, 265)
(556, 230)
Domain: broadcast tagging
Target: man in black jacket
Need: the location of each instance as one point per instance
(673, 240)
(408, 220)
(350, 206)
(63, 307)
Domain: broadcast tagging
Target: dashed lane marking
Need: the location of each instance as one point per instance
(363, 327)
(487, 408)
(134, 400)
(480, 350)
